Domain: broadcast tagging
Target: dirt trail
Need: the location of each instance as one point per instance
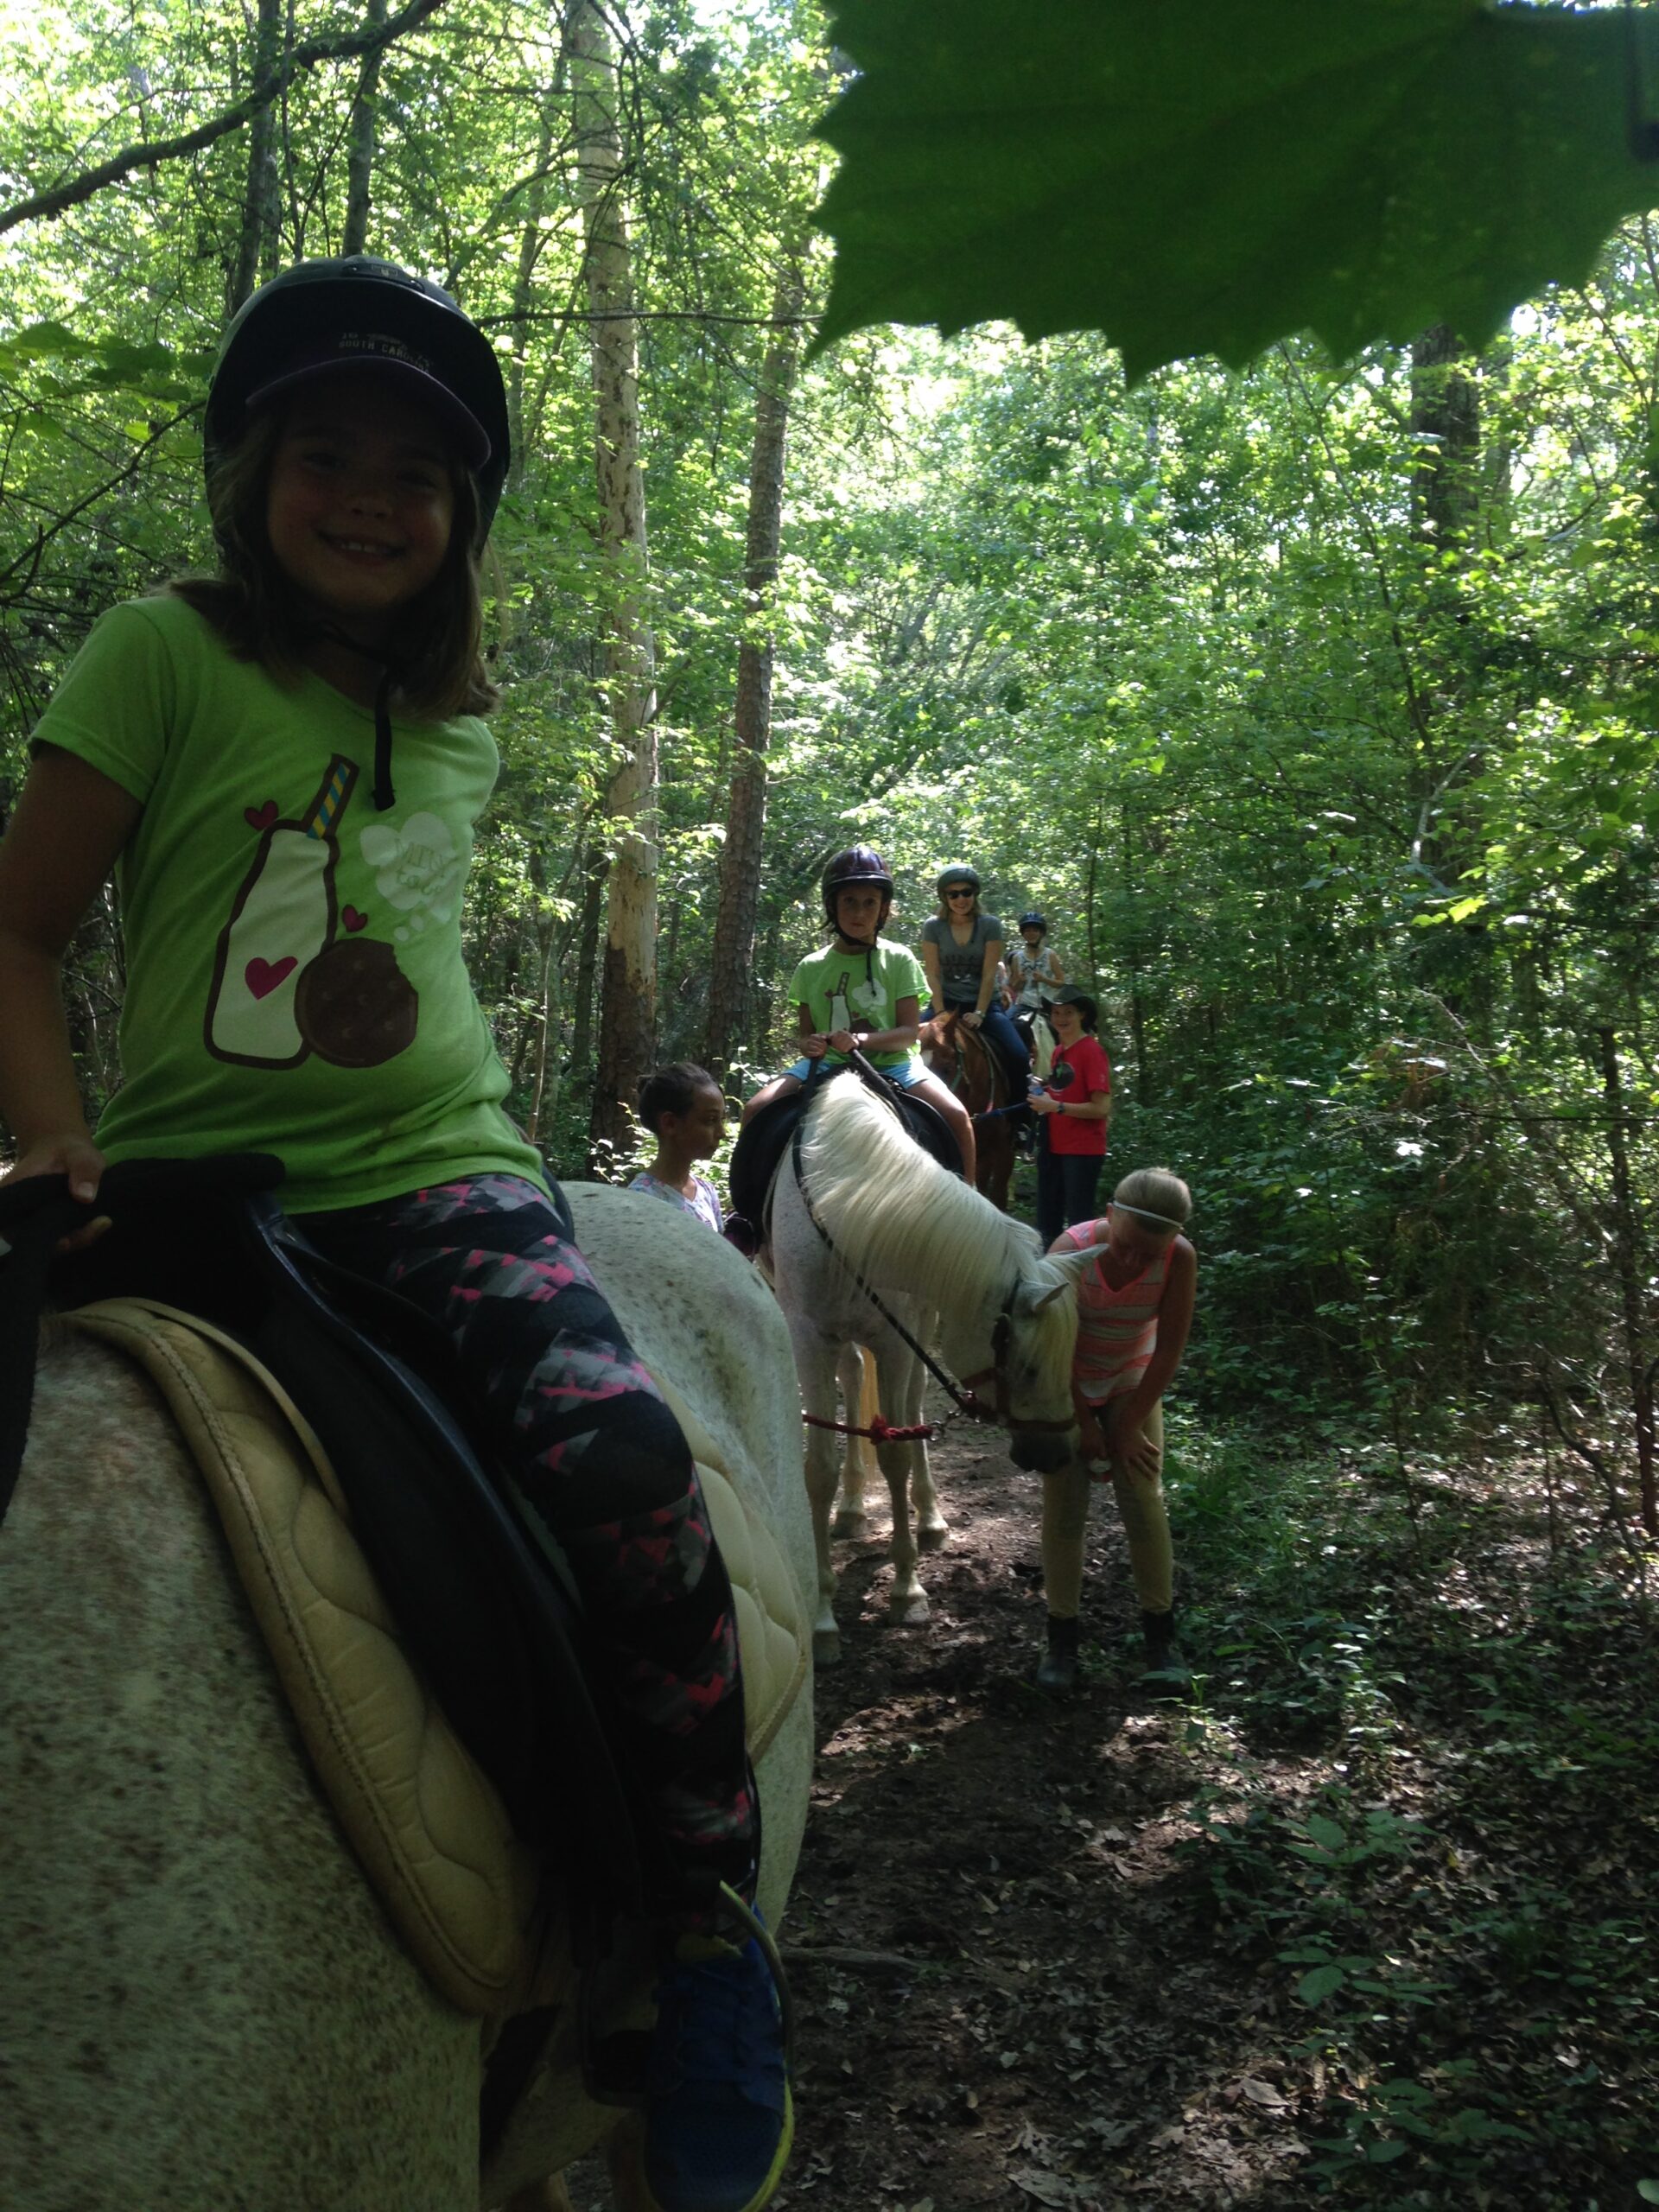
(1038, 2018)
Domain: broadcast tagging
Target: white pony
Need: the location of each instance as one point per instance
(201, 2006)
(927, 1245)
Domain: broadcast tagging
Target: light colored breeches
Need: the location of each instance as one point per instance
(1146, 1524)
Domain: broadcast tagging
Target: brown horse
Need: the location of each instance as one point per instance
(962, 1058)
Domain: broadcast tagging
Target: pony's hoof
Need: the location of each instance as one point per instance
(847, 1522)
(907, 1612)
(932, 1536)
(826, 1647)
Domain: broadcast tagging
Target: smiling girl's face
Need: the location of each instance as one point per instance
(360, 500)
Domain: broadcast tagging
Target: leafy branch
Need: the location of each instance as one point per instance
(267, 87)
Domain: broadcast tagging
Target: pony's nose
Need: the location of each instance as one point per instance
(1039, 1453)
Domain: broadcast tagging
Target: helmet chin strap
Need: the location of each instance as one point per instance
(384, 795)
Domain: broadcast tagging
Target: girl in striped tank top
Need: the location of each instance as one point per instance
(1134, 1312)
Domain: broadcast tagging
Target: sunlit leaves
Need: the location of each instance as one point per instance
(1207, 175)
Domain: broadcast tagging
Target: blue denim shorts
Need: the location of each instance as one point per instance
(904, 1074)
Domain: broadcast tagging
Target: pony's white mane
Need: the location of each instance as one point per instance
(897, 1216)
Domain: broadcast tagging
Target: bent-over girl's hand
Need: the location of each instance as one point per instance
(1131, 1450)
(77, 1158)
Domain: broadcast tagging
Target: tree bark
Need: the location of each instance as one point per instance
(1627, 1260)
(595, 873)
(731, 981)
(523, 284)
(360, 150)
(628, 1001)
(1445, 422)
(261, 201)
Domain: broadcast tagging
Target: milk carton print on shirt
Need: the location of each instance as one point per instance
(294, 975)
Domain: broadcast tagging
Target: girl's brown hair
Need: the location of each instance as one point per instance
(433, 651)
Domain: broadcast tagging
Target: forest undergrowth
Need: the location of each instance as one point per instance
(1457, 1922)
(1369, 1920)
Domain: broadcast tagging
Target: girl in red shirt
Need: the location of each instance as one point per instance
(1076, 1106)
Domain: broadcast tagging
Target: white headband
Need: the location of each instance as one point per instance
(1162, 1219)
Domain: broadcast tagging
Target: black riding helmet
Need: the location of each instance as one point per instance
(1033, 920)
(961, 874)
(1071, 995)
(357, 312)
(857, 864)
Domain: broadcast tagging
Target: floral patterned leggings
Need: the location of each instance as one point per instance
(595, 1456)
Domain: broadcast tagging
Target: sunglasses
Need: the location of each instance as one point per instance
(961, 894)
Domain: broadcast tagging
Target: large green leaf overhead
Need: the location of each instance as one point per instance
(1207, 175)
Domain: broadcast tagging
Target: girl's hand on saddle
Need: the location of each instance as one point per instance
(843, 1040)
(972, 1020)
(814, 1046)
(77, 1158)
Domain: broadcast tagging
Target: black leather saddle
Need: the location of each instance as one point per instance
(762, 1145)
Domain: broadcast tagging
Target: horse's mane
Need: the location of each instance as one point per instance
(897, 1216)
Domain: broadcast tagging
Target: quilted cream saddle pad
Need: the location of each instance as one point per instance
(422, 1818)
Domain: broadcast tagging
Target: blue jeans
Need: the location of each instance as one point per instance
(1005, 1039)
(1066, 1186)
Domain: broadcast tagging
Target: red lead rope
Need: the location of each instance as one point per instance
(879, 1431)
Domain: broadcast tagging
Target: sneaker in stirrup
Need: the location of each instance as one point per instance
(719, 2117)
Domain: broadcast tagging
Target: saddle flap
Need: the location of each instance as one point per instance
(430, 1828)
(426, 1823)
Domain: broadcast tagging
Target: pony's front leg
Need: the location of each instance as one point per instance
(855, 1372)
(932, 1529)
(897, 1375)
(815, 1362)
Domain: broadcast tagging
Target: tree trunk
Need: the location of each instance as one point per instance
(1445, 423)
(1627, 1260)
(733, 956)
(595, 873)
(261, 201)
(1132, 957)
(359, 146)
(627, 1010)
(530, 242)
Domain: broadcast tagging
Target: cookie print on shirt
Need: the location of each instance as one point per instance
(294, 973)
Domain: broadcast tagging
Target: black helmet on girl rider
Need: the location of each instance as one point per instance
(326, 318)
(964, 878)
(1033, 920)
(860, 864)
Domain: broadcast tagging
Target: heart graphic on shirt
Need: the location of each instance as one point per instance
(263, 976)
(352, 919)
(260, 817)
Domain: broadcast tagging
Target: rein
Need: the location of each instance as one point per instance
(964, 1399)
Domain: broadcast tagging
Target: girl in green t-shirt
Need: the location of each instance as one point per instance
(863, 993)
(356, 443)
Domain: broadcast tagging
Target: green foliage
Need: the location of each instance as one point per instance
(1211, 177)
(1431, 1743)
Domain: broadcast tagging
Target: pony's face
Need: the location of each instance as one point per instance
(1042, 1337)
(1032, 1367)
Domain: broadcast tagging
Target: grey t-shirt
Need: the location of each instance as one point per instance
(962, 965)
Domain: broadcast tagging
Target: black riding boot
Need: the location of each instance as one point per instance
(1059, 1667)
(1166, 1669)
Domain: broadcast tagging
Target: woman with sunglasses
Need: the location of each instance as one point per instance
(961, 948)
